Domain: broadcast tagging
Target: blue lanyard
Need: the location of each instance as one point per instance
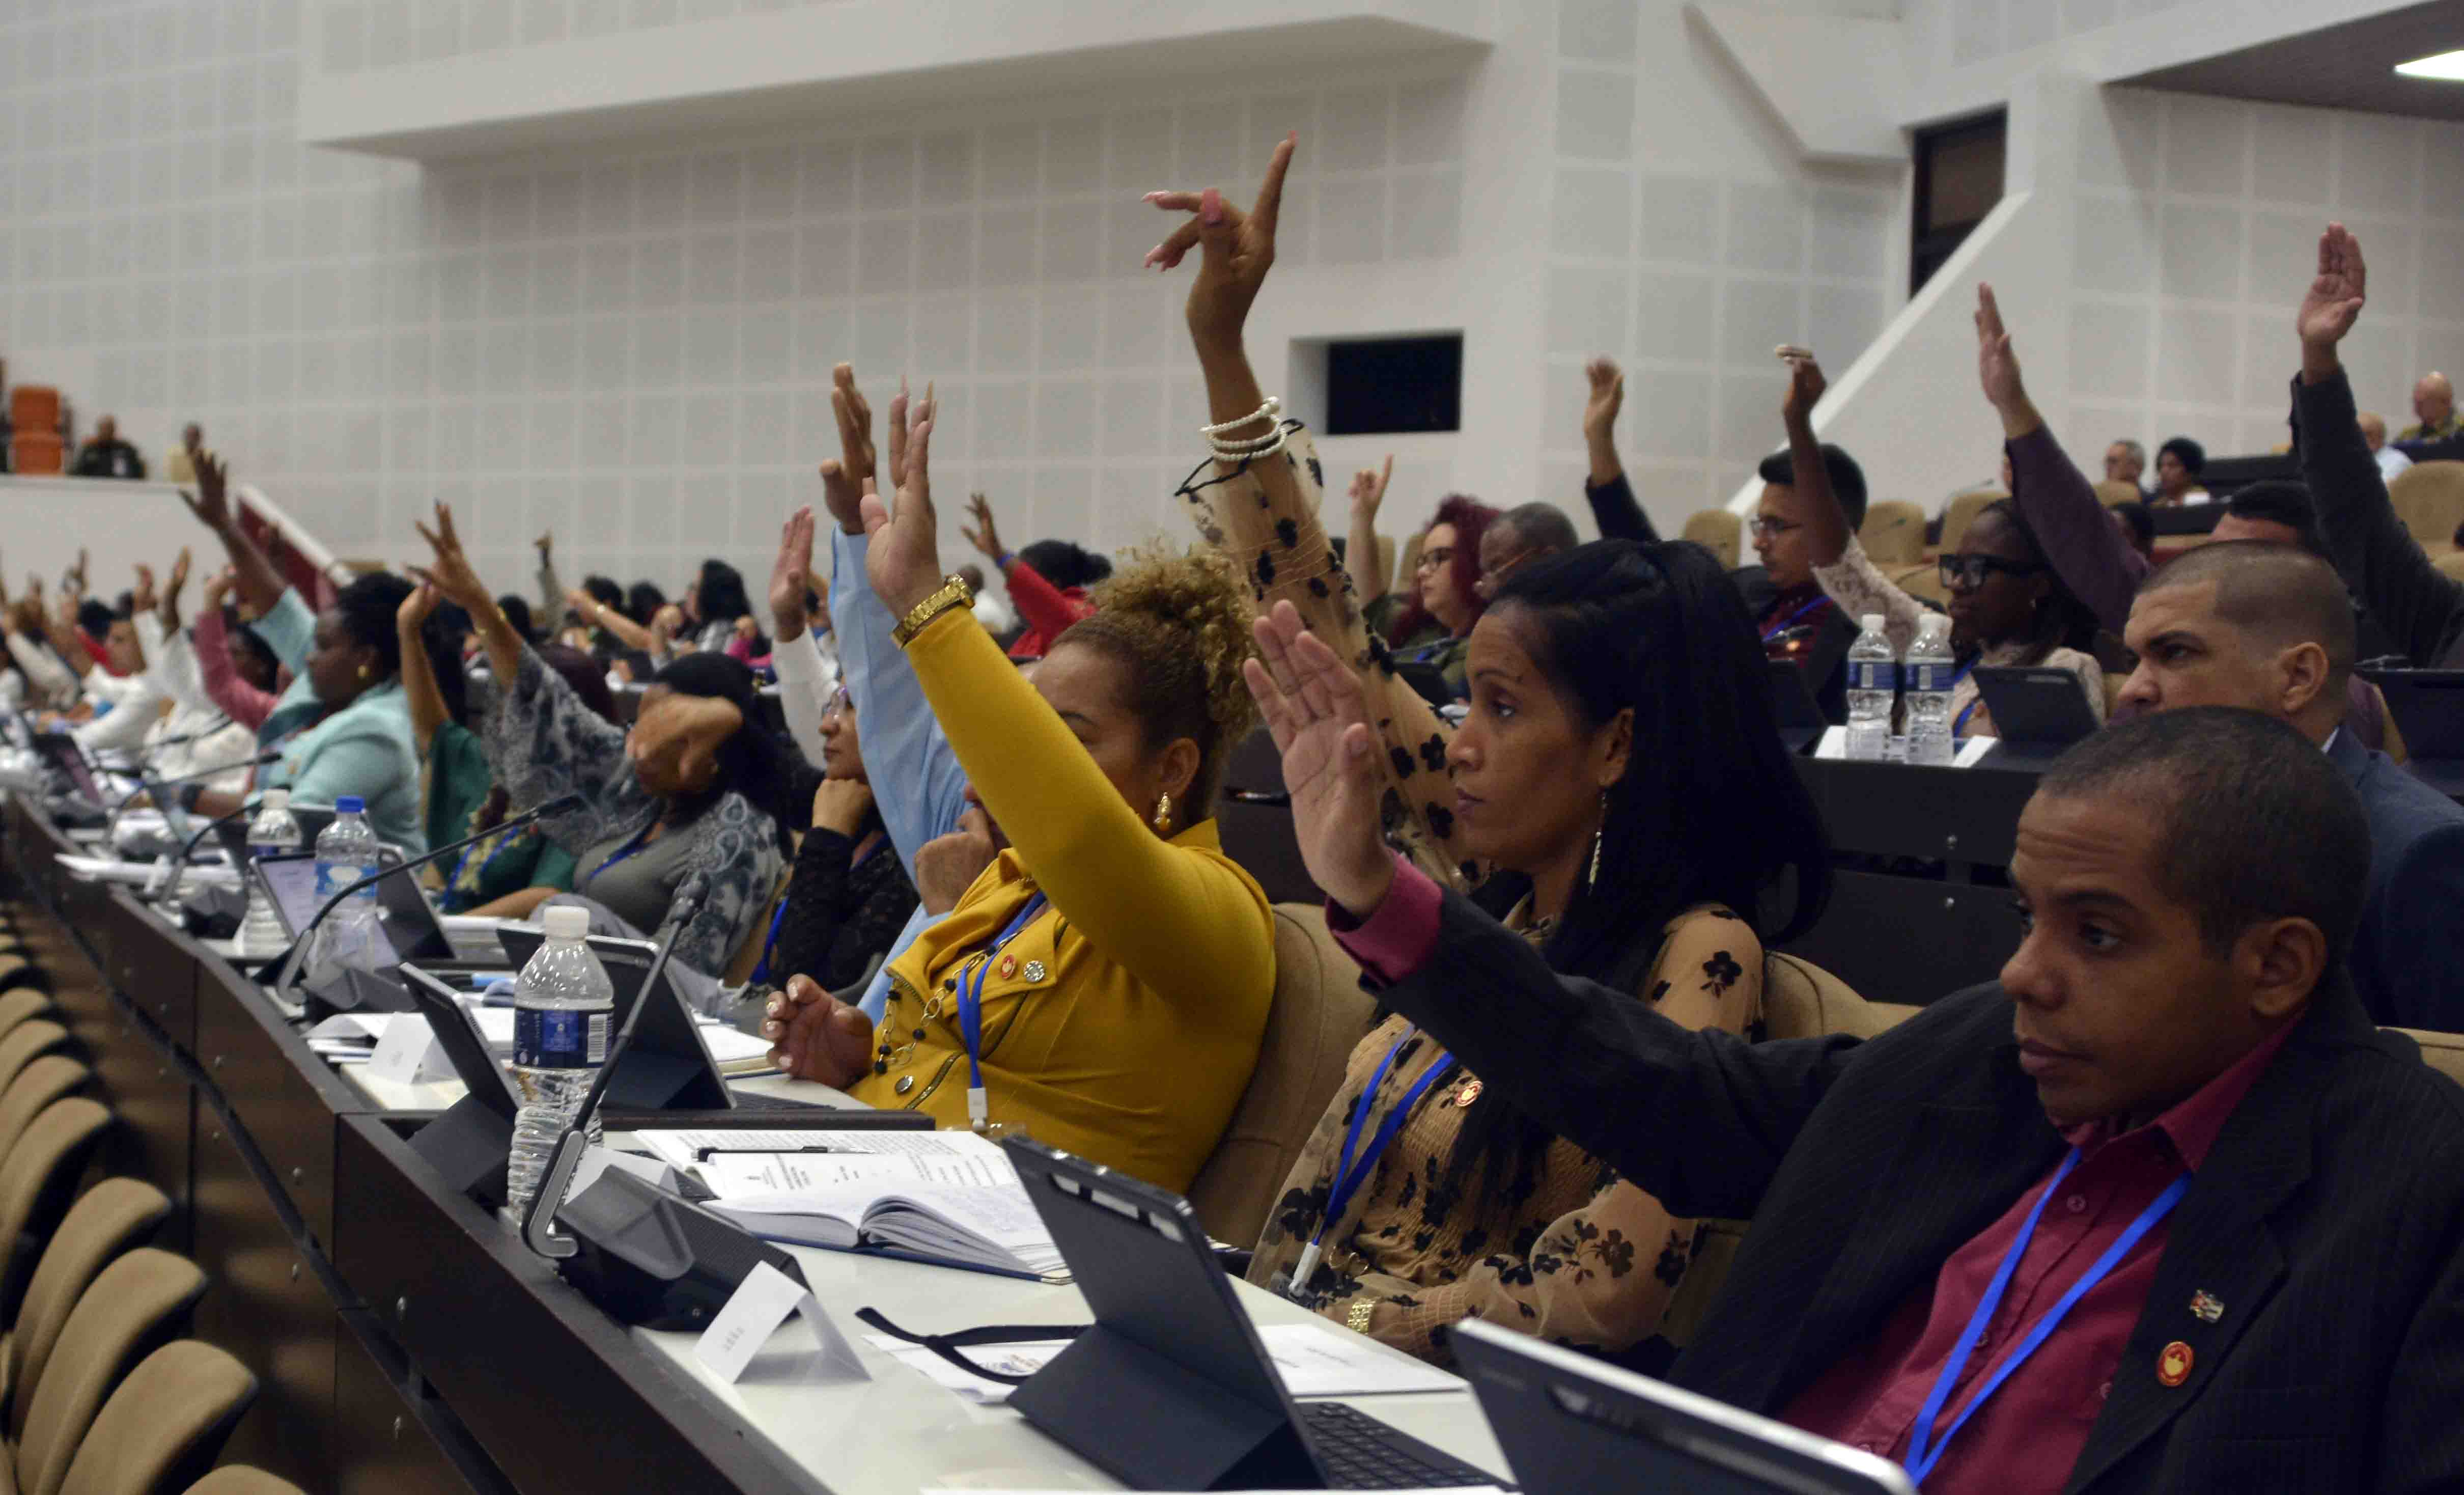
(503, 844)
(1350, 1175)
(1789, 622)
(1924, 1453)
(632, 848)
(971, 1007)
(778, 915)
(1959, 728)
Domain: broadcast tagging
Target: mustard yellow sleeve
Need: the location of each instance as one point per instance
(1177, 922)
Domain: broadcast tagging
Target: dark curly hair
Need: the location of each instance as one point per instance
(366, 608)
(1066, 566)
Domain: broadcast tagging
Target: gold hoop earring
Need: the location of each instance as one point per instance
(1163, 811)
(364, 672)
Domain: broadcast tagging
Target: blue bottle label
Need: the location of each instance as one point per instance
(1873, 675)
(1928, 677)
(560, 1038)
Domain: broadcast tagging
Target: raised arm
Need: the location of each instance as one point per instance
(2377, 556)
(1258, 504)
(420, 692)
(551, 592)
(1614, 506)
(260, 583)
(2053, 494)
(1827, 529)
(243, 702)
(917, 786)
(1188, 925)
(1360, 560)
(1041, 605)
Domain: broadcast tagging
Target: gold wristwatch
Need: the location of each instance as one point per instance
(954, 593)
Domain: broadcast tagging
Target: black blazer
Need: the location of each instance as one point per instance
(2408, 957)
(2329, 1218)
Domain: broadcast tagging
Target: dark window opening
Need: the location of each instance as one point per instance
(1959, 179)
(1385, 384)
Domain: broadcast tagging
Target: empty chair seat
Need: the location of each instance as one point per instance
(2429, 497)
(37, 1180)
(24, 1044)
(113, 1217)
(21, 1004)
(2112, 491)
(35, 408)
(1893, 533)
(36, 457)
(40, 1083)
(166, 1424)
(1963, 512)
(1719, 532)
(140, 1302)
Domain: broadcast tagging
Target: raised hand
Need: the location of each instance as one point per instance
(791, 574)
(179, 580)
(452, 572)
(1804, 387)
(903, 559)
(142, 598)
(1312, 706)
(210, 504)
(667, 622)
(414, 611)
(817, 1037)
(847, 477)
(1369, 488)
(2335, 298)
(1607, 398)
(685, 732)
(984, 535)
(217, 589)
(546, 543)
(78, 575)
(1997, 363)
(1240, 249)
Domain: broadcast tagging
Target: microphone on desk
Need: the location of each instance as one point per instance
(357, 994)
(146, 782)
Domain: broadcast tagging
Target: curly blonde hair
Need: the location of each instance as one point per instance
(1179, 621)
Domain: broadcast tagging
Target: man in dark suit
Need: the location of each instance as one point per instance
(2171, 1138)
(2268, 629)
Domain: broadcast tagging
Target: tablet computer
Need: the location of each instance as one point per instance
(1570, 1424)
(2038, 709)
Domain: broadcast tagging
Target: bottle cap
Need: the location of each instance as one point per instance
(1871, 623)
(275, 800)
(349, 804)
(566, 921)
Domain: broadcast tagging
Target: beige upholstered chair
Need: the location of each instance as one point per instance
(1719, 532)
(2429, 497)
(1318, 1017)
(1893, 533)
(1962, 513)
(137, 1303)
(2110, 493)
(165, 1425)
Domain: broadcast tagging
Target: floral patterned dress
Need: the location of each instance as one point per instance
(1570, 1253)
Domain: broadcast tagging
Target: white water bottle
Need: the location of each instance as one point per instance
(1873, 684)
(352, 936)
(1929, 673)
(274, 833)
(563, 1006)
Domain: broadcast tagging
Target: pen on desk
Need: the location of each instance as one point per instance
(703, 1155)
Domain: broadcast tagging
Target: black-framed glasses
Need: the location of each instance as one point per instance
(1434, 560)
(1972, 570)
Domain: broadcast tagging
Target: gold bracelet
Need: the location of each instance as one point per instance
(952, 594)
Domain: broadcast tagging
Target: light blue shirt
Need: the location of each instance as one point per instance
(365, 749)
(917, 784)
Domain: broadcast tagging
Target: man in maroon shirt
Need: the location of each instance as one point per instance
(2161, 1211)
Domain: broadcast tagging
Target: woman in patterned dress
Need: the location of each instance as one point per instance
(1622, 783)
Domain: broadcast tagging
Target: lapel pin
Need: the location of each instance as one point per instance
(1035, 970)
(2173, 1366)
(1469, 1093)
(2207, 1307)
(1008, 967)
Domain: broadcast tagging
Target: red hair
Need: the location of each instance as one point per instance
(1471, 520)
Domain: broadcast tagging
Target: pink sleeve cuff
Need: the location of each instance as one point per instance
(1398, 938)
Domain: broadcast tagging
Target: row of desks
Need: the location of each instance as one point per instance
(409, 1342)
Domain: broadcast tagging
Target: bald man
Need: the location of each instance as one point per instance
(2433, 404)
(2267, 627)
(2390, 460)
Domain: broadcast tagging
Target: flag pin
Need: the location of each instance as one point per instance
(2207, 1307)
(2173, 1366)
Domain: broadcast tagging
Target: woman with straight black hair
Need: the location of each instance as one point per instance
(1621, 770)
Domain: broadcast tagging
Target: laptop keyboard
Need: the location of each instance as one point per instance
(1361, 1453)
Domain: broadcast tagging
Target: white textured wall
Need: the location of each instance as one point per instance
(632, 348)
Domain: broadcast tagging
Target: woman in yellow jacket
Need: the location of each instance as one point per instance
(1104, 983)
